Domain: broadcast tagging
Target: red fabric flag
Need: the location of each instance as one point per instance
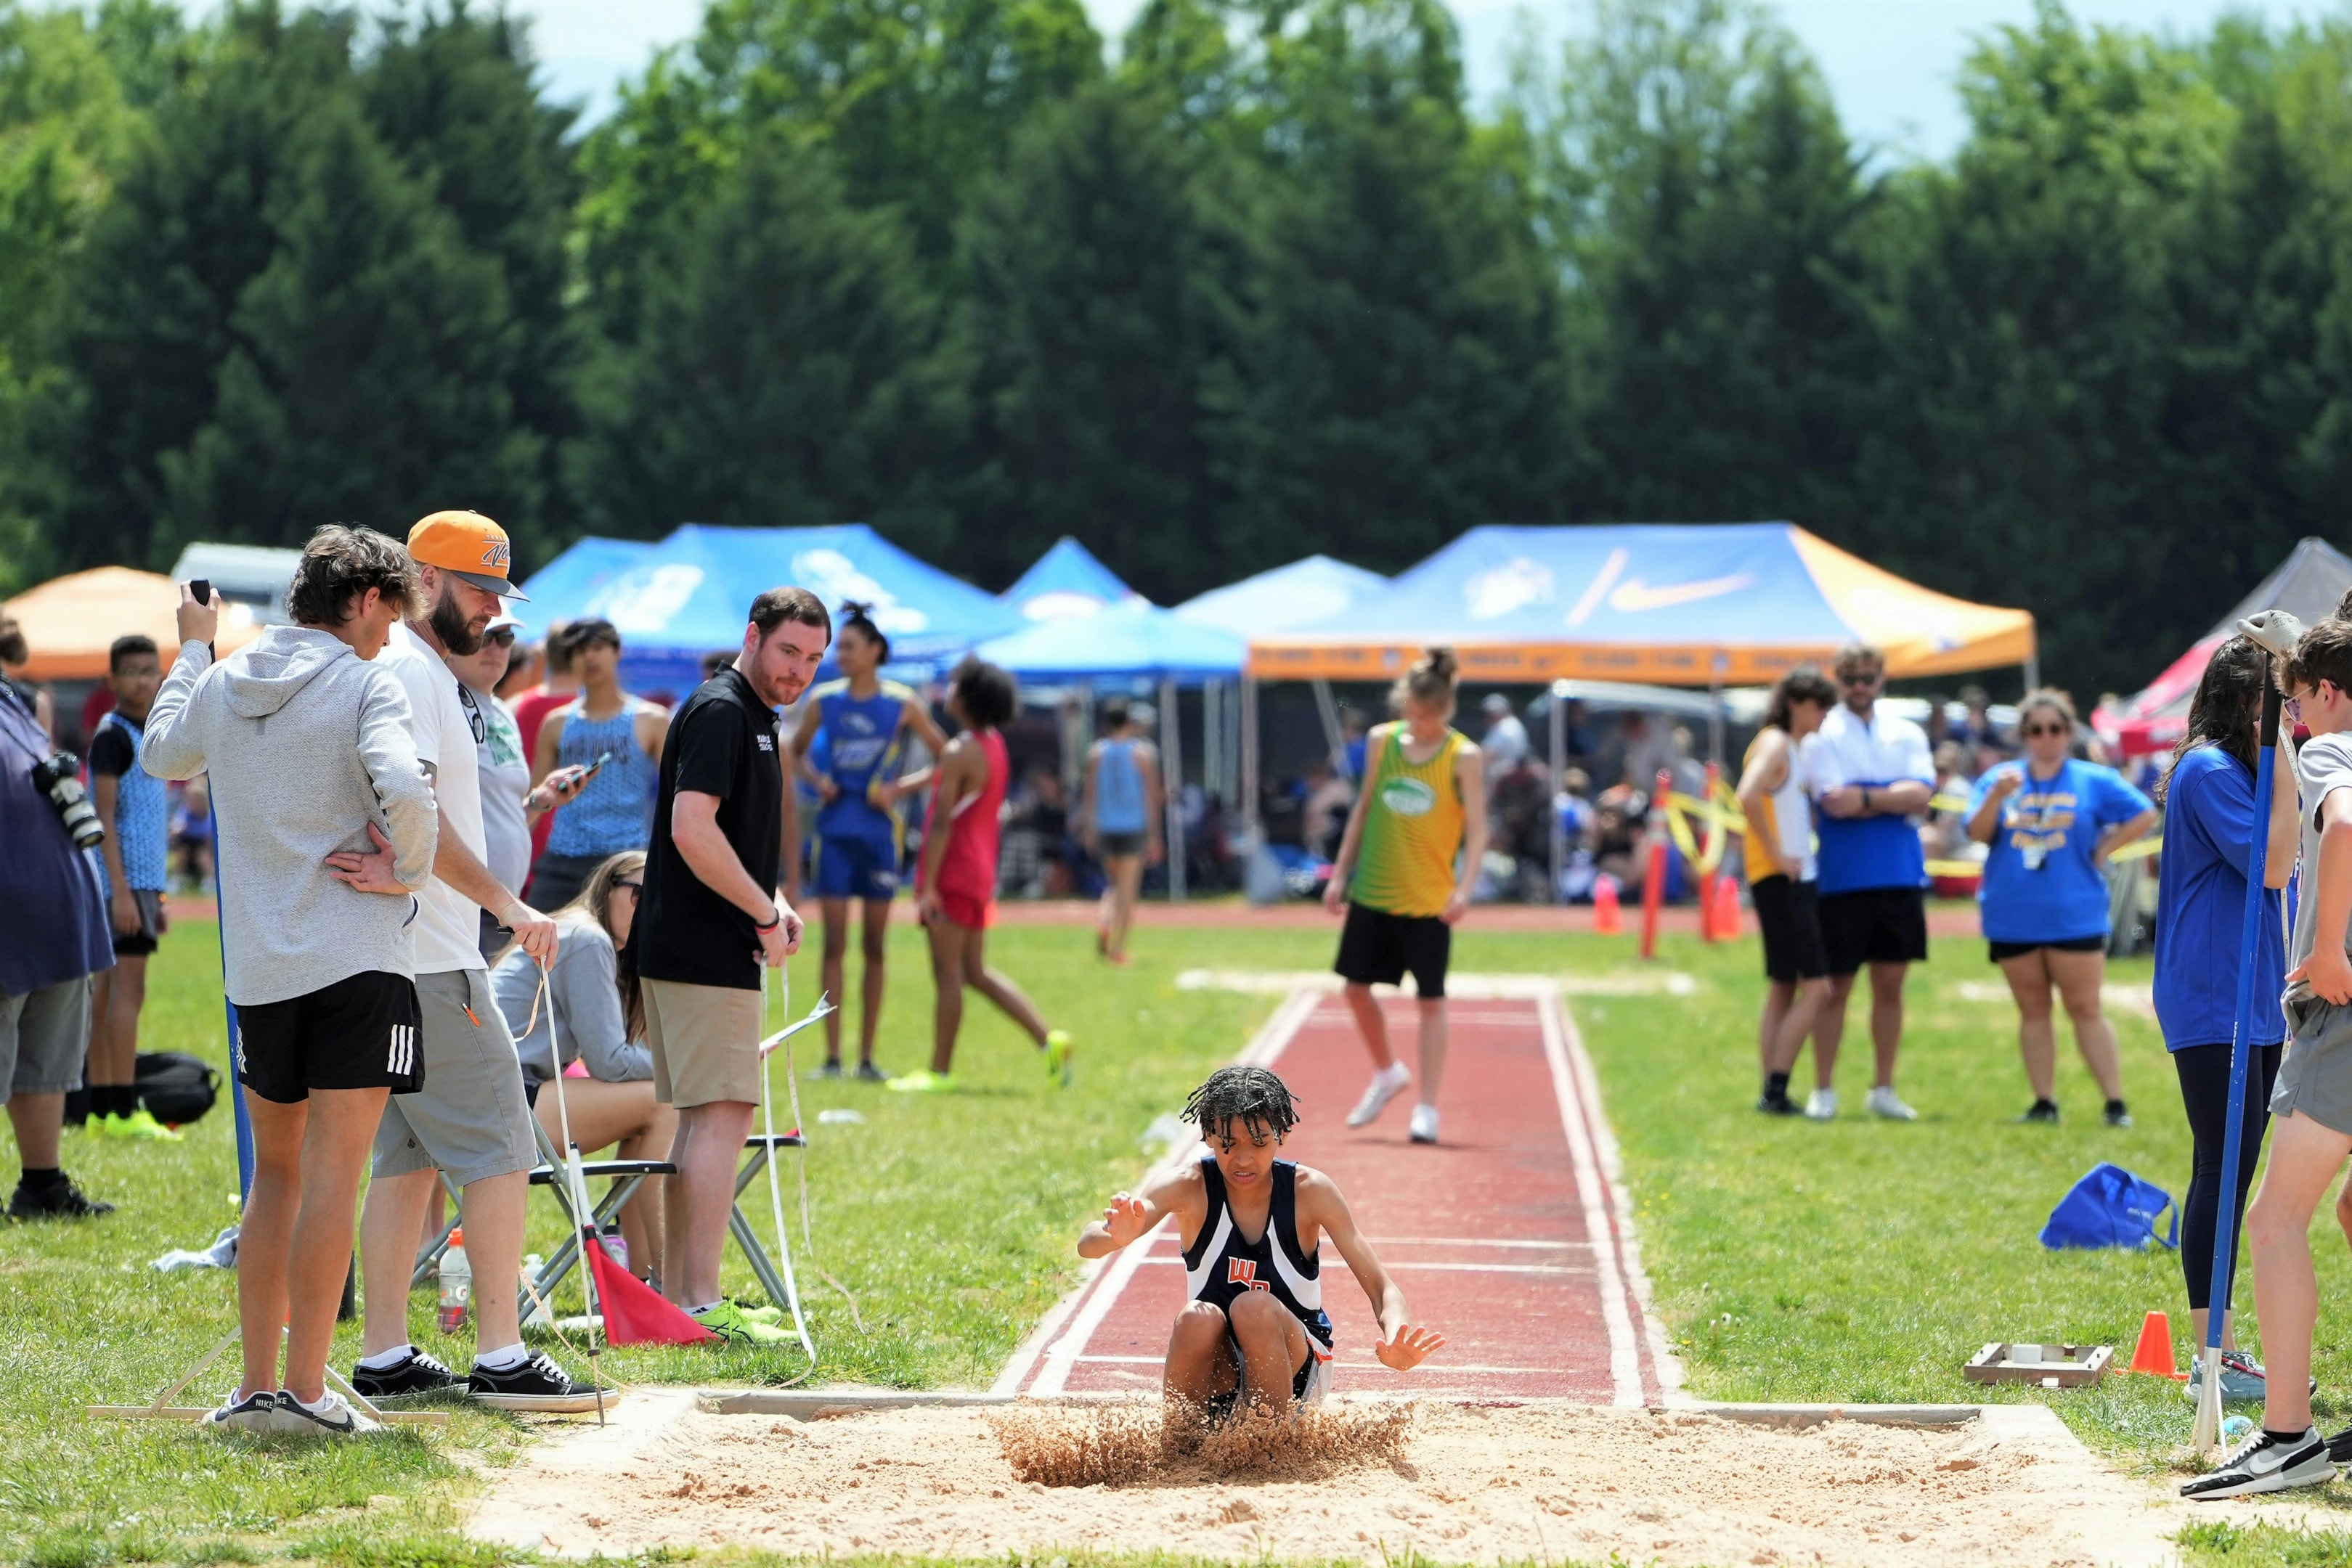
(633, 1314)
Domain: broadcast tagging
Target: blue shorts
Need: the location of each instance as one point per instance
(849, 867)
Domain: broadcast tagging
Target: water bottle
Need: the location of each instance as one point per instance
(456, 1283)
(531, 1313)
(617, 1245)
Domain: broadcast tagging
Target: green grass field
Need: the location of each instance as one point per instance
(1858, 1261)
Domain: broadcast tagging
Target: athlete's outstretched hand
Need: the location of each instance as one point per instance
(1124, 1219)
(1410, 1348)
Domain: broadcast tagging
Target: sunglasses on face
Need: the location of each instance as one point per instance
(504, 636)
(631, 886)
(1868, 678)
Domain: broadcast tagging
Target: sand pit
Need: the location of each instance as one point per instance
(1465, 1483)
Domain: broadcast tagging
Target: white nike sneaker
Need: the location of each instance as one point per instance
(1423, 1126)
(2259, 1464)
(1386, 1085)
(1821, 1105)
(1885, 1103)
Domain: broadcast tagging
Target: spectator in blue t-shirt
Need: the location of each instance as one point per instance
(2050, 823)
(2208, 796)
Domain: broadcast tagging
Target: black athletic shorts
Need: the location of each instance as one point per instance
(358, 1034)
(1875, 926)
(1119, 845)
(2071, 945)
(1377, 948)
(1791, 914)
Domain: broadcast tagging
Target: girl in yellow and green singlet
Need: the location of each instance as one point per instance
(1404, 874)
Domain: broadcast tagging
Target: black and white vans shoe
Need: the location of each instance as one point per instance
(415, 1374)
(537, 1385)
(2262, 1463)
(255, 1413)
(330, 1417)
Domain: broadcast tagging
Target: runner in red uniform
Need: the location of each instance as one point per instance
(955, 882)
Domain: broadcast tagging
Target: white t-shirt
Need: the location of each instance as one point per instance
(1886, 750)
(448, 927)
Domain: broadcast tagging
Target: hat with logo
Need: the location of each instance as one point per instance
(467, 544)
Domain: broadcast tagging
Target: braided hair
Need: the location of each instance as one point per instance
(858, 617)
(1253, 1095)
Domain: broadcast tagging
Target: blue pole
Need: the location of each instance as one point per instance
(2225, 1219)
(236, 1047)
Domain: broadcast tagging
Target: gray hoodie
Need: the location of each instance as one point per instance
(306, 743)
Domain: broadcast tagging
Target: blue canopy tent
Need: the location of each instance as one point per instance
(690, 594)
(1305, 591)
(1068, 583)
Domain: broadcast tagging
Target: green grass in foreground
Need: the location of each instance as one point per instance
(1857, 1261)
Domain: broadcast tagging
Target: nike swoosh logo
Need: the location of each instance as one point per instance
(1633, 594)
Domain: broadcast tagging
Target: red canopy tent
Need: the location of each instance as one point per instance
(2308, 584)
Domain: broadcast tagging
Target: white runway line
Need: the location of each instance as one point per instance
(1624, 1350)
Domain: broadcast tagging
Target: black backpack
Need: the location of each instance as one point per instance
(176, 1088)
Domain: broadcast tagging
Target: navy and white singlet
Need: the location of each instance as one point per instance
(1219, 1266)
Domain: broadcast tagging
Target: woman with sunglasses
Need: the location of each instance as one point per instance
(598, 1018)
(510, 804)
(2051, 821)
(2208, 795)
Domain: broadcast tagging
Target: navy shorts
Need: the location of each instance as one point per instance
(849, 867)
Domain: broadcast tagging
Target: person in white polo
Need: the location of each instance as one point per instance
(1870, 773)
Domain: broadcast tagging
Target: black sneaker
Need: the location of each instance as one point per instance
(63, 1201)
(827, 1070)
(2261, 1464)
(2339, 1446)
(2043, 1111)
(537, 1385)
(1778, 1105)
(2118, 1116)
(869, 1073)
(415, 1374)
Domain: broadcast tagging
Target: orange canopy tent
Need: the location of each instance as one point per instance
(71, 621)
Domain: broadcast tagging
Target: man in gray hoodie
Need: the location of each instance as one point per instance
(308, 751)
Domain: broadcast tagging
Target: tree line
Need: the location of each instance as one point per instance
(1260, 281)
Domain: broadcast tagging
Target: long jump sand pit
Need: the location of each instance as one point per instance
(1454, 1482)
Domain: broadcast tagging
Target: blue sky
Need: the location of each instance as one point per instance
(1891, 63)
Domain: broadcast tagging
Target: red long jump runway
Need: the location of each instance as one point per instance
(1509, 1236)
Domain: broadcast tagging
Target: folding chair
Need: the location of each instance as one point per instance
(781, 1287)
(627, 1177)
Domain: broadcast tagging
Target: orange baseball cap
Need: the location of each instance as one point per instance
(467, 544)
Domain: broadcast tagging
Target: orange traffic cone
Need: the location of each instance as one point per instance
(1726, 909)
(2153, 1354)
(1608, 917)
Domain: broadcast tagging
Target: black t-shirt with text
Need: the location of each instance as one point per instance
(724, 742)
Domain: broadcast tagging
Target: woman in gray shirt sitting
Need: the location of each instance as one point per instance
(600, 1024)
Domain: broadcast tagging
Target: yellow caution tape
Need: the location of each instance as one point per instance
(2138, 849)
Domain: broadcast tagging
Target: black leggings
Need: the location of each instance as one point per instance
(2205, 1093)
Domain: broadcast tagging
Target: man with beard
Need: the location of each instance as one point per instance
(471, 1116)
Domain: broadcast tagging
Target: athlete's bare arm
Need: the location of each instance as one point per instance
(1335, 891)
(811, 720)
(1767, 773)
(917, 717)
(1323, 1207)
(1470, 779)
(1128, 1218)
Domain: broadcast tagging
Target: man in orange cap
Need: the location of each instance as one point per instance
(471, 1117)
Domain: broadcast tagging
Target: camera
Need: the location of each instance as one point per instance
(58, 776)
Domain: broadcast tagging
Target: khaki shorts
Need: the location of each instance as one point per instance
(43, 1037)
(705, 1041)
(471, 1118)
(2315, 1074)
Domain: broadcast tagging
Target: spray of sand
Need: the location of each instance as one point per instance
(1145, 1442)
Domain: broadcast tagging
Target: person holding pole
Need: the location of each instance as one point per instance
(2311, 1102)
(711, 912)
(1404, 875)
(1781, 876)
(2211, 821)
(304, 733)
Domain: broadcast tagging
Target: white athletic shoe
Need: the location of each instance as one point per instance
(1386, 1085)
(1424, 1127)
(330, 1417)
(1885, 1103)
(2259, 1464)
(256, 1412)
(1821, 1105)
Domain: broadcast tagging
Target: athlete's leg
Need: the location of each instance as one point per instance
(1125, 882)
(2305, 1158)
(1778, 995)
(1370, 1024)
(1804, 1007)
(1829, 1030)
(830, 967)
(998, 988)
(1885, 1019)
(2079, 976)
(1274, 1348)
(2037, 1034)
(1199, 1355)
(869, 990)
(947, 940)
(1434, 1042)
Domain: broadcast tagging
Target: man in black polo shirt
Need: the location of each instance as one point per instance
(710, 916)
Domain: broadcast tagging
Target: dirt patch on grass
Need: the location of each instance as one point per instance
(1457, 1483)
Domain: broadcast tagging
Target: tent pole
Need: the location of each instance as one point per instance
(1249, 761)
(1211, 753)
(1559, 785)
(1171, 781)
(2033, 670)
(1327, 708)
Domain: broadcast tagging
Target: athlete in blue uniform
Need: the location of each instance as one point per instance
(1255, 1320)
(864, 720)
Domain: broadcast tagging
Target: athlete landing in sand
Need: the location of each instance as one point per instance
(1251, 1224)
